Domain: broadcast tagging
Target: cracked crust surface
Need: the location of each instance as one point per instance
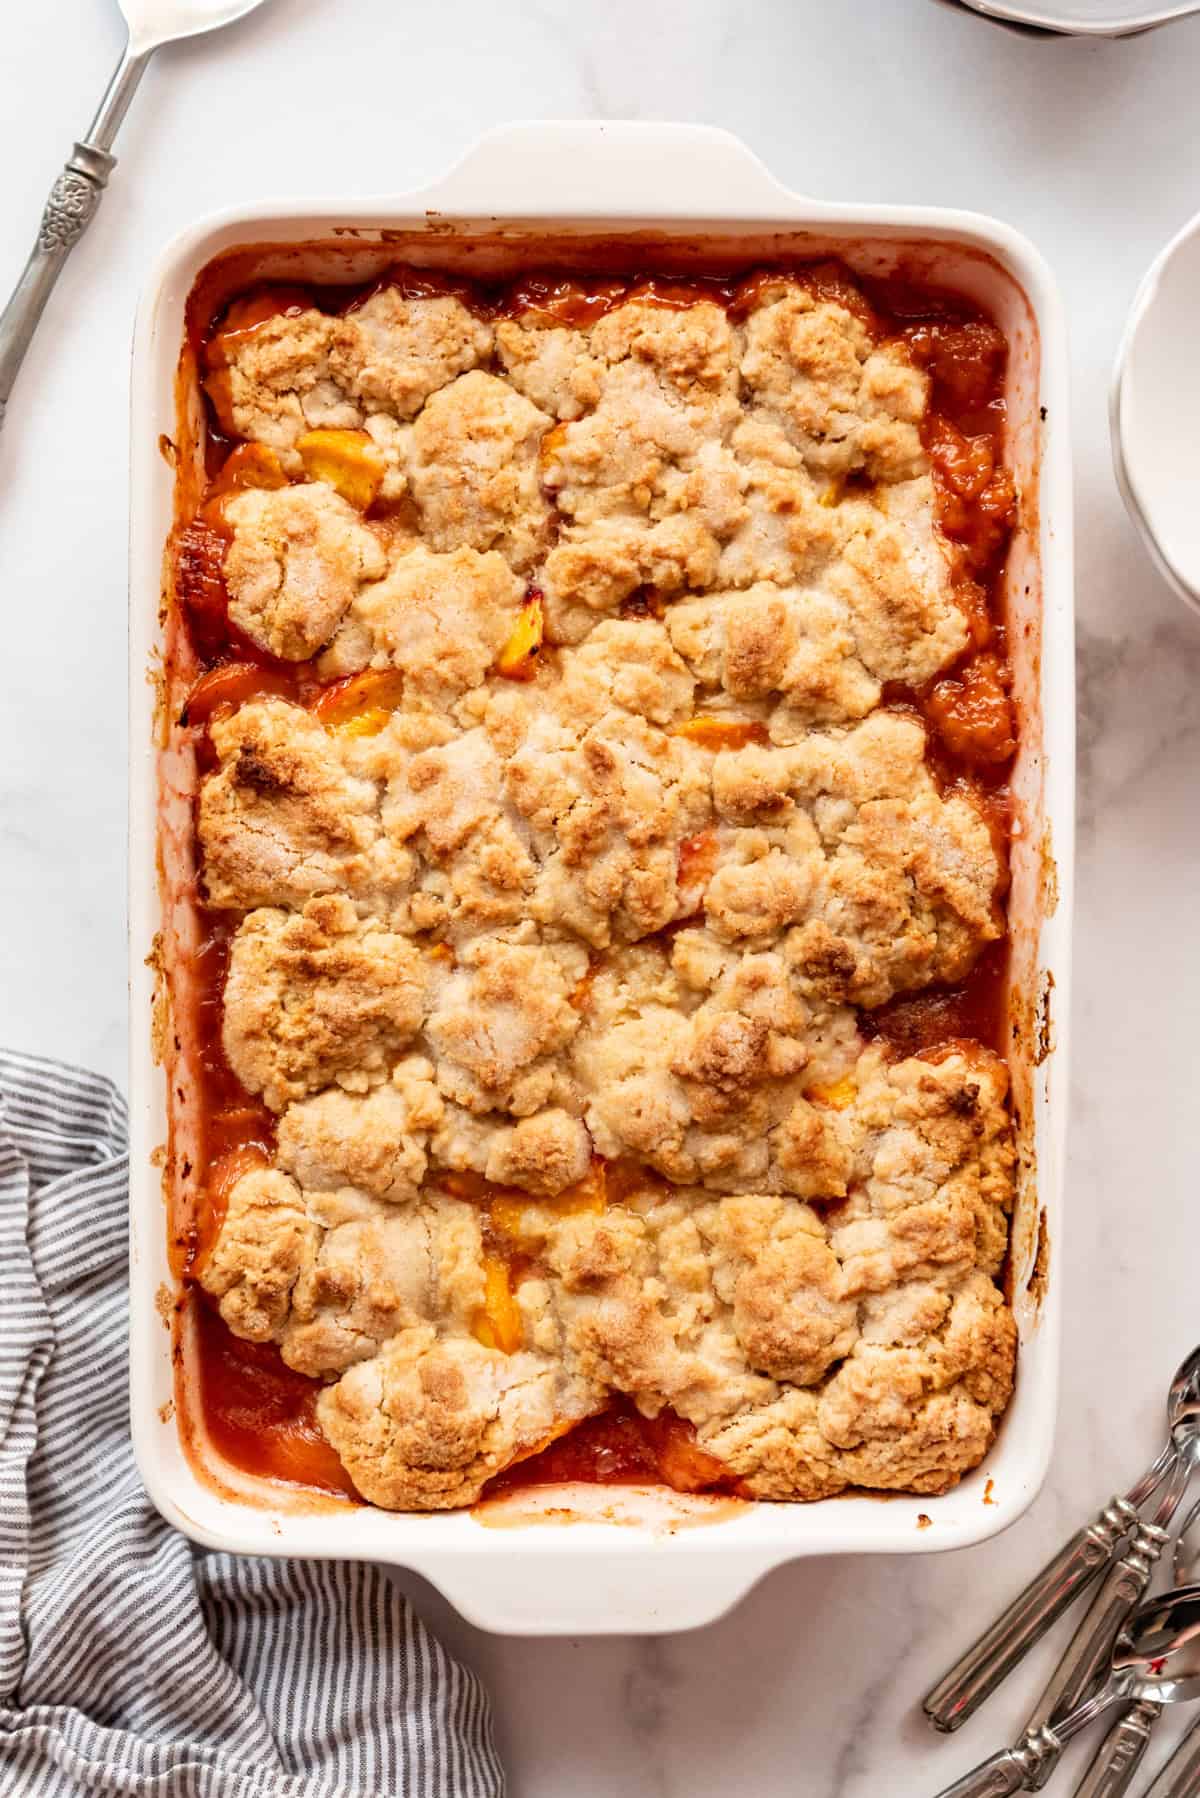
(473, 470)
(299, 556)
(272, 381)
(318, 997)
(609, 891)
(392, 352)
(298, 369)
(842, 850)
(427, 1423)
(499, 1020)
(440, 619)
(284, 817)
(844, 402)
(811, 1345)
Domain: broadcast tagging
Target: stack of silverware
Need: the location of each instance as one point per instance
(1128, 1652)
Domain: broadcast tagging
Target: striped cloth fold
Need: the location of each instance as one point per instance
(132, 1662)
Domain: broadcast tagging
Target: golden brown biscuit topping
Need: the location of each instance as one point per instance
(567, 864)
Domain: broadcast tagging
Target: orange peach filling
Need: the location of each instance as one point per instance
(498, 1325)
(347, 460)
(249, 465)
(518, 659)
(836, 1096)
(509, 1209)
(361, 705)
(722, 733)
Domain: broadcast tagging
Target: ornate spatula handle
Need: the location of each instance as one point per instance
(68, 213)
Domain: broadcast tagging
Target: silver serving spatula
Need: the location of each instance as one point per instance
(76, 193)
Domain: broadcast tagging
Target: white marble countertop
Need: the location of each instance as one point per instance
(809, 1686)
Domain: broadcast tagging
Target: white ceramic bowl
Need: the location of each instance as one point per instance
(631, 1559)
(1082, 18)
(1153, 407)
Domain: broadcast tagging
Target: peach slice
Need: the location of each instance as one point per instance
(249, 465)
(361, 705)
(222, 1176)
(588, 1194)
(837, 1095)
(550, 445)
(518, 659)
(348, 460)
(723, 733)
(682, 1463)
(499, 1324)
(972, 712)
(509, 1209)
(230, 685)
(697, 864)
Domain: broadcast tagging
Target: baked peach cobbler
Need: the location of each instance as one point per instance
(602, 726)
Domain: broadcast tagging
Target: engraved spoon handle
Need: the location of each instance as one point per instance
(1120, 1753)
(973, 1678)
(1015, 1769)
(1179, 1777)
(1003, 1774)
(68, 213)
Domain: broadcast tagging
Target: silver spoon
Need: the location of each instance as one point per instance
(1120, 1754)
(975, 1676)
(1179, 1775)
(76, 193)
(1156, 1660)
(1126, 1582)
(1185, 1556)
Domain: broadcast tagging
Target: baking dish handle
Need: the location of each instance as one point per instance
(619, 169)
(599, 1592)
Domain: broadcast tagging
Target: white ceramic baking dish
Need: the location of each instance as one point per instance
(579, 1560)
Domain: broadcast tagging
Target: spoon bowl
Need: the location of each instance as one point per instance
(1185, 1558)
(1183, 1405)
(1157, 1654)
(1154, 402)
(153, 23)
(1183, 1417)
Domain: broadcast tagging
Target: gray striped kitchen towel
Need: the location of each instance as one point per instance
(130, 1661)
